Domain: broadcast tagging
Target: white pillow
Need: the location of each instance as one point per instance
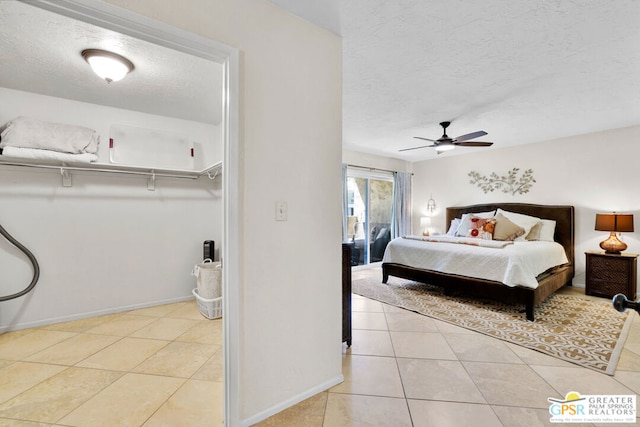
(525, 221)
(455, 223)
(544, 231)
(465, 222)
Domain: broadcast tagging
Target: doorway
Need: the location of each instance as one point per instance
(369, 211)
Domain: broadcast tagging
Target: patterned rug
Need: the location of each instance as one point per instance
(587, 332)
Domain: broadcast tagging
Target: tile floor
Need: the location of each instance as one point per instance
(404, 369)
(158, 366)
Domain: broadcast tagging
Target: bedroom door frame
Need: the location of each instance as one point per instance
(126, 22)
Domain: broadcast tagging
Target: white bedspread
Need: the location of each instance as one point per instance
(35, 153)
(514, 265)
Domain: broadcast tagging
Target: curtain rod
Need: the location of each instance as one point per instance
(372, 169)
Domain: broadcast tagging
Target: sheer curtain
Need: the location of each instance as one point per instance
(401, 215)
(345, 202)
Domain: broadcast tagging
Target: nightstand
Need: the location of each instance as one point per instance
(611, 274)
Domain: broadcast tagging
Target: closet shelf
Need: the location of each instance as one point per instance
(66, 168)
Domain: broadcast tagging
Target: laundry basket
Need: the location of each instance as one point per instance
(210, 308)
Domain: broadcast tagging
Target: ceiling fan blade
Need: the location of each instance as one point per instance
(474, 144)
(469, 136)
(426, 139)
(415, 148)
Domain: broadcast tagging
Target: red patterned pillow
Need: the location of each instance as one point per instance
(482, 228)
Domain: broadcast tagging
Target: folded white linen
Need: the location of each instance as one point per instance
(463, 240)
(32, 133)
(35, 153)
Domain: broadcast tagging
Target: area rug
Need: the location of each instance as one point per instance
(587, 332)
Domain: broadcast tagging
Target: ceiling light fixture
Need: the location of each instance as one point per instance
(108, 65)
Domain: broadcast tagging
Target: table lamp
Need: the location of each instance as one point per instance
(614, 223)
(425, 223)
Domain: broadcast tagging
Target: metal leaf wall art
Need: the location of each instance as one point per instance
(509, 183)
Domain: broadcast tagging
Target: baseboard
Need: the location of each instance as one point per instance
(45, 322)
(292, 401)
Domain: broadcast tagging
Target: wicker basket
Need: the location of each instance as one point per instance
(210, 308)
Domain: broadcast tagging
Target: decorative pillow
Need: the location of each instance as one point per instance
(455, 224)
(506, 229)
(525, 221)
(465, 221)
(481, 228)
(543, 231)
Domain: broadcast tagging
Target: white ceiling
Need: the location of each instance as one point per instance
(523, 71)
(40, 53)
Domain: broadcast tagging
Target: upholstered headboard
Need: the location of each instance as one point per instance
(562, 215)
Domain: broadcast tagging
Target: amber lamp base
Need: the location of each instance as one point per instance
(613, 245)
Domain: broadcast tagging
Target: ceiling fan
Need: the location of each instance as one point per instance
(444, 143)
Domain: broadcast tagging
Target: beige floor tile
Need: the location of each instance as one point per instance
(196, 403)
(204, 332)
(129, 401)
(212, 369)
(177, 359)
(408, 321)
(6, 422)
(355, 410)
(437, 414)
(510, 384)
(629, 361)
(376, 376)
(438, 380)
(421, 345)
(4, 363)
(448, 328)
(581, 380)
(186, 310)
(371, 343)
(57, 396)
(527, 417)
(629, 379)
(532, 357)
(123, 325)
(165, 329)
(632, 347)
(481, 348)
(24, 345)
(308, 413)
(74, 349)
(10, 336)
(365, 305)
(392, 309)
(123, 355)
(371, 321)
(21, 376)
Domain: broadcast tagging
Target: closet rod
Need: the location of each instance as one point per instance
(124, 170)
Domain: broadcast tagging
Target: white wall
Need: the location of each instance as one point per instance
(596, 172)
(290, 133)
(106, 243)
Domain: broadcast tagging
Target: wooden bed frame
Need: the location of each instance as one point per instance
(547, 283)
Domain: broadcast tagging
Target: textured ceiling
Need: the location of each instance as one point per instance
(521, 71)
(40, 53)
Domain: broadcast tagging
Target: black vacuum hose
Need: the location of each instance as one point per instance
(34, 262)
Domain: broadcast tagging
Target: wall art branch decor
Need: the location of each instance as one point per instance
(509, 183)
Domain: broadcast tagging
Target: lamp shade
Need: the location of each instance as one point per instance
(614, 222)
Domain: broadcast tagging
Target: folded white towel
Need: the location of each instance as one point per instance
(35, 153)
(32, 133)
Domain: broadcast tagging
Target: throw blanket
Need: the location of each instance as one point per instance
(34, 153)
(31, 133)
(463, 241)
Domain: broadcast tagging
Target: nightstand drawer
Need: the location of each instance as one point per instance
(609, 274)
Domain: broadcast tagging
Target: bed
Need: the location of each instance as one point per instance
(547, 283)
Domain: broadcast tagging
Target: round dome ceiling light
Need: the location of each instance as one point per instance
(108, 65)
